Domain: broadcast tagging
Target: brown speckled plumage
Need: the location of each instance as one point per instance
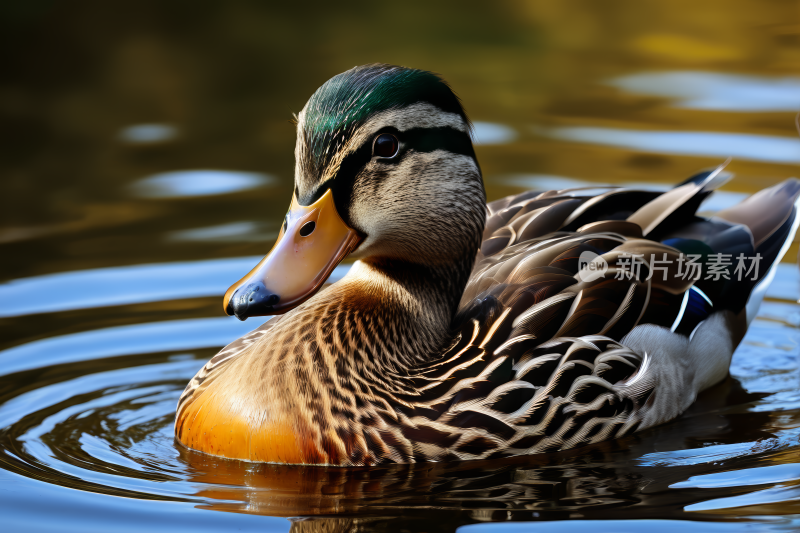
(425, 352)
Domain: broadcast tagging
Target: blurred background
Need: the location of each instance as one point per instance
(146, 162)
(96, 97)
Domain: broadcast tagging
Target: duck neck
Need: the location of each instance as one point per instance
(402, 310)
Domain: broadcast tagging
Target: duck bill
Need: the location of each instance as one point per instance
(313, 240)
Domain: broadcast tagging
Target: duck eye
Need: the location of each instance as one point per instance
(385, 145)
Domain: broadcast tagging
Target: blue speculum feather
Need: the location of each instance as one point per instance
(698, 308)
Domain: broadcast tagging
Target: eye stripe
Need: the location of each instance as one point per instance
(444, 138)
(420, 140)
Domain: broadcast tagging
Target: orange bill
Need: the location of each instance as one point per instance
(313, 240)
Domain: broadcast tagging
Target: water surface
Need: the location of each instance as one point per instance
(146, 163)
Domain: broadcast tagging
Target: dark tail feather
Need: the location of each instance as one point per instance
(765, 212)
(677, 206)
(700, 177)
(771, 216)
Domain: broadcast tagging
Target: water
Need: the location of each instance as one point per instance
(146, 164)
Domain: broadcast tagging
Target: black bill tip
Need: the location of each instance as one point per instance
(252, 300)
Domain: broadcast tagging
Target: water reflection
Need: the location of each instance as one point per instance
(198, 183)
(127, 285)
(231, 232)
(484, 133)
(715, 453)
(695, 143)
(632, 526)
(743, 478)
(148, 133)
(721, 200)
(544, 182)
(716, 91)
(64, 509)
(786, 285)
(778, 494)
(186, 334)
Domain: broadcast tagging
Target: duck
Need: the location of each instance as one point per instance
(533, 324)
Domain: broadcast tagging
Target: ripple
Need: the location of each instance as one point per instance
(125, 340)
(148, 133)
(484, 133)
(722, 452)
(245, 231)
(786, 285)
(183, 183)
(743, 478)
(776, 494)
(83, 440)
(545, 182)
(626, 526)
(126, 285)
(70, 511)
(768, 148)
(716, 91)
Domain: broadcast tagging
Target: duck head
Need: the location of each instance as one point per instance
(385, 172)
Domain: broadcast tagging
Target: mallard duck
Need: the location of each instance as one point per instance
(466, 330)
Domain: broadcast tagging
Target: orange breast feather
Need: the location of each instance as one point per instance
(210, 424)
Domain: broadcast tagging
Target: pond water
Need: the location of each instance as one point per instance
(146, 163)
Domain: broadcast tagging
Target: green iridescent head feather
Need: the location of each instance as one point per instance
(347, 100)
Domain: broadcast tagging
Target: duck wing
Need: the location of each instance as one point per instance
(549, 358)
